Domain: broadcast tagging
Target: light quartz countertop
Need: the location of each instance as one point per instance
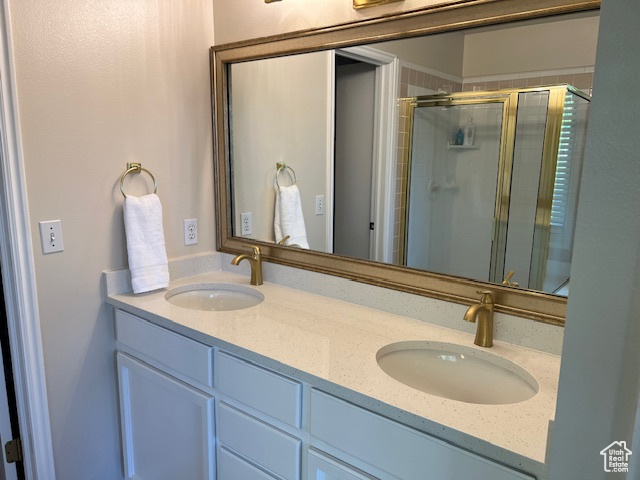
(332, 345)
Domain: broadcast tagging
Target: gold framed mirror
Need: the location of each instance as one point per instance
(426, 21)
(371, 3)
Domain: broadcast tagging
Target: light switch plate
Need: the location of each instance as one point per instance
(51, 236)
(319, 204)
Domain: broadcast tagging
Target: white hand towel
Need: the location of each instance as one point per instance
(288, 219)
(145, 243)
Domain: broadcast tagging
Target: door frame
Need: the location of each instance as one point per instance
(18, 274)
(8, 471)
(384, 146)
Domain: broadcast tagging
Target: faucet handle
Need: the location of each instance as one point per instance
(507, 280)
(487, 296)
(284, 240)
(255, 248)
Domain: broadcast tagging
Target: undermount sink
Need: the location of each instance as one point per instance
(214, 297)
(457, 372)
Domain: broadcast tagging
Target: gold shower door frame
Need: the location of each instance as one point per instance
(542, 228)
(509, 99)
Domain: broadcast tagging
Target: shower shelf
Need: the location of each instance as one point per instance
(462, 147)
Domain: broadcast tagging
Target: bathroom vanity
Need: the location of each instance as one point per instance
(290, 388)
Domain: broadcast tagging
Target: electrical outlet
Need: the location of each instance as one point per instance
(319, 204)
(245, 222)
(51, 236)
(191, 231)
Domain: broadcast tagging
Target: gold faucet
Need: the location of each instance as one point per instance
(484, 312)
(284, 242)
(255, 260)
(507, 280)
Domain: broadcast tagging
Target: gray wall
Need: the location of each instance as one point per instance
(598, 393)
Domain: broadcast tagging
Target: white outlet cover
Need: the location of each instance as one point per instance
(246, 227)
(51, 236)
(190, 231)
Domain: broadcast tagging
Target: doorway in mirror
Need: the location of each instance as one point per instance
(355, 107)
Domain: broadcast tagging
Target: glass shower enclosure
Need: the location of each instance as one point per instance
(500, 200)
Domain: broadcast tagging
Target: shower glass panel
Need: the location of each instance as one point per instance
(525, 179)
(559, 249)
(504, 206)
(452, 194)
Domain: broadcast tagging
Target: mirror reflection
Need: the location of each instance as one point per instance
(457, 153)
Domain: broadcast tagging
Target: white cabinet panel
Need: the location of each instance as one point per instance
(268, 392)
(231, 467)
(396, 449)
(323, 467)
(167, 426)
(261, 443)
(171, 349)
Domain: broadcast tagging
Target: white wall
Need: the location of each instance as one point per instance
(281, 113)
(540, 46)
(235, 20)
(599, 377)
(443, 53)
(101, 83)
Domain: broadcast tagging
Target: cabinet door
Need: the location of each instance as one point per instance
(167, 426)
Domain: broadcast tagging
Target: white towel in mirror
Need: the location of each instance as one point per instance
(288, 218)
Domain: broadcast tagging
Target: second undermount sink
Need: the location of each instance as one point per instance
(457, 372)
(214, 297)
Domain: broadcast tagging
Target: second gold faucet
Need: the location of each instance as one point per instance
(255, 260)
(483, 311)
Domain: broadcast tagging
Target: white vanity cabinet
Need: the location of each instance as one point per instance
(266, 426)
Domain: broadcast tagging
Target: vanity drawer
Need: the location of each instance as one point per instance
(177, 352)
(266, 391)
(394, 448)
(259, 442)
(327, 468)
(232, 467)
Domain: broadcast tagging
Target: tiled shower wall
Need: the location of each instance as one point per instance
(423, 82)
(581, 78)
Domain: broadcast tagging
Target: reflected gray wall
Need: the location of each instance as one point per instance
(353, 177)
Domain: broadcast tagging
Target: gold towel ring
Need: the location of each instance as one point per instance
(283, 166)
(137, 168)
